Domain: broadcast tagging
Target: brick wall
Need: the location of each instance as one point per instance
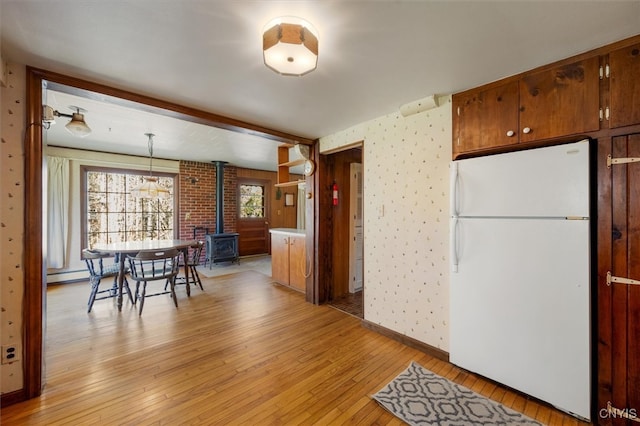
(197, 198)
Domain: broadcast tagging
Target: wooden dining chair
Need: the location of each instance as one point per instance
(99, 270)
(156, 265)
(191, 261)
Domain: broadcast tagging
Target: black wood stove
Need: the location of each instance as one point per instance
(221, 246)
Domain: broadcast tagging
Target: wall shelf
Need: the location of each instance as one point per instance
(291, 183)
(293, 163)
(285, 163)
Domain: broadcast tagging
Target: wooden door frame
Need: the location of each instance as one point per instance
(33, 316)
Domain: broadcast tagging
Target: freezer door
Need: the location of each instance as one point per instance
(519, 307)
(550, 182)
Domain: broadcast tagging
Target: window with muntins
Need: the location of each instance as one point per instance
(111, 214)
(252, 202)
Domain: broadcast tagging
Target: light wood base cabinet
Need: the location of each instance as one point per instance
(288, 264)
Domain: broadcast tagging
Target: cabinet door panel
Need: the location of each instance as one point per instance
(625, 86)
(280, 258)
(297, 263)
(560, 101)
(486, 117)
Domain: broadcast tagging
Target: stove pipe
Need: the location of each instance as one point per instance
(219, 196)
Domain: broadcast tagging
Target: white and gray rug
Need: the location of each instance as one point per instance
(421, 397)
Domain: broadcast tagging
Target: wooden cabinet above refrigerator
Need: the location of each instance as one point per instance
(578, 97)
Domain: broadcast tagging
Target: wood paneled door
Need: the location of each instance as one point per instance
(619, 281)
(253, 216)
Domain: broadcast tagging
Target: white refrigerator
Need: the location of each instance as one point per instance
(520, 272)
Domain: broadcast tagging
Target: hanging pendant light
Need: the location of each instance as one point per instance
(150, 188)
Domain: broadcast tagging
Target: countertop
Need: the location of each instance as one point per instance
(290, 231)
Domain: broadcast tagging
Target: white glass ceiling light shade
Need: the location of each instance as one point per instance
(290, 46)
(77, 126)
(150, 188)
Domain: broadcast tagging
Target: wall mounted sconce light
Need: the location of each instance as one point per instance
(76, 126)
(193, 180)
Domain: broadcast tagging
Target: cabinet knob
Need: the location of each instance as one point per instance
(510, 133)
(526, 130)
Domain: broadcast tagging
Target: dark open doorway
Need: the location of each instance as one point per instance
(346, 289)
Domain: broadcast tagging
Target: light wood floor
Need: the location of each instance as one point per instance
(244, 351)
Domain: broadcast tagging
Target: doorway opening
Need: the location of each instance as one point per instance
(35, 261)
(346, 288)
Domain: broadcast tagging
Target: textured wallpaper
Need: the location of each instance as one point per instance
(406, 227)
(11, 220)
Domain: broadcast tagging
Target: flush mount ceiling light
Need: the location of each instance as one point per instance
(76, 126)
(150, 188)
(290, 46)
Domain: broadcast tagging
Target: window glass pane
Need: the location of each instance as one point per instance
(96, 202)
(115, 182)
(251, 201)
(116, 202)
(96, 182)
(133, 181)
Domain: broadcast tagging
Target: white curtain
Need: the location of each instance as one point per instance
(57, 211)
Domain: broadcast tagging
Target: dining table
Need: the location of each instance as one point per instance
(124, 248)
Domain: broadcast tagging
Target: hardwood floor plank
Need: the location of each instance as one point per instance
(243, 351)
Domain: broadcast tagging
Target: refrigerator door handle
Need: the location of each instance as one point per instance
(453, 189)
(453, 244)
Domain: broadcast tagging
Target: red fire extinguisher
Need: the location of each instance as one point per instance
(335, 193)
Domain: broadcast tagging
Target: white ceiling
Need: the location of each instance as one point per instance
(373, 57)
(119, 129)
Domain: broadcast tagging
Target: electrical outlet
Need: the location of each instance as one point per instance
(10, 353)
(187, 216)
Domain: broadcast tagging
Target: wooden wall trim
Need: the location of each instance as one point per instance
(14, 397)
(406, 340)
(313, 222)
(34, 253)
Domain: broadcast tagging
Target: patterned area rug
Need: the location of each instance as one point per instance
(420, 397)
